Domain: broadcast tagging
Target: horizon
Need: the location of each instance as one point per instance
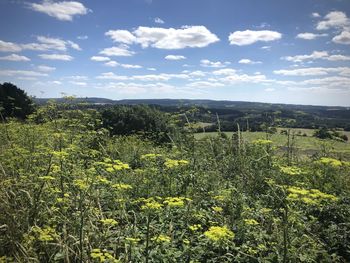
(262, 52)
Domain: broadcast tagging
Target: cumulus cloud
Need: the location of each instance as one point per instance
(175, 57)
(226, 71)
(342, 38)
(315, 15)
(22, 73)
(310, 36)
(122, 36)
(324, 55)
(64, 10)
(248, 61)
(56, 57)
(100, 58)
(205, 84)
(15, 57)
(249, 37)
(9, 47)
(78, 83)
(147, 77)
(212, 64)
(334, 19)
(159, 20)
(165, 38)
(120, 51)
(317, 71)
(111, 63)
(43, 44)
(44, 68)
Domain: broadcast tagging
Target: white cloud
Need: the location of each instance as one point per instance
(152, 69)
(317, 55)
(45, 68)
(122, 36)
(100, 58)
(120, 51)
(112, 76)
(317, 71)
(248, 37)
(310, 36)
(212, 64)
(82, 37)
(111, 63)
(269, 89)
(165, 38)
(268, 48)
(334, 19)
(148, 77)
(226, 71)
(9, 47)
(56, 57)
(23, 73)
(248, 61)
(64, 10)
(79, 83)
(159, 20)
(315, 15)
(15, 57)
(175, 57)
(205, 84)
(130, 66)
(343, 38)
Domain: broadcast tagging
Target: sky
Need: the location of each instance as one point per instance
(275, 51)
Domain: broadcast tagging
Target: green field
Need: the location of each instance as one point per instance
(305, 144)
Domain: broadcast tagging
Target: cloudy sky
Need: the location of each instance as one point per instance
(285, 51)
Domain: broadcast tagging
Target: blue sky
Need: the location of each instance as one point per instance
(269, 51)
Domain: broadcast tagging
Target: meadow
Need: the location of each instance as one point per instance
(70, 192)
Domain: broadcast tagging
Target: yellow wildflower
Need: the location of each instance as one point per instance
(108, 222)
(217, 233)
(161, 239)
(251, 222)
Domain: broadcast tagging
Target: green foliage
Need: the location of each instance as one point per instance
(14, 102)
(144, 120)
(71, 193)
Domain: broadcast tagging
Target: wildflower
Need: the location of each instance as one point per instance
(291, 170)
(195, 227)
(329, 161)
(102, 256)
(45, 234)
(217, 233)
(150, 156)
(47, 178)
(175, 201)
(122, 186)
(217, 209)
(262, 142)
(161, 239)
(132, 240)
(151, 204)
(312, 197)
(169, 163)
(108, 222)
(81, 184)
(251, 222)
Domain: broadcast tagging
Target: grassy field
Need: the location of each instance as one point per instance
(305, 144)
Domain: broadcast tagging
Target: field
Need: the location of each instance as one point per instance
(306, 145)
(70, 192)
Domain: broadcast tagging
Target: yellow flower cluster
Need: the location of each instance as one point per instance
(251, 222)
(81, 184)
(291, 170)
(169, 163)
(312, 197)
(102, 256)
(108, 222)
(219, 234)
(122, 186)
(150, 156)
(217, 209)
(151, 204)
(161, 239)
(132, 240)
(44, 234)
(195, 227)
(329, 161)
(176, 201)
(112, 166)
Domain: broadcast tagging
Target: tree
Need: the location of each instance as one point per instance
(323, 133)
(14, 102)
